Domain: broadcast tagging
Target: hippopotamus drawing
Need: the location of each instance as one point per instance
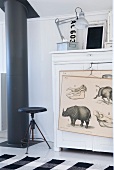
(105, 93)
(78, 112)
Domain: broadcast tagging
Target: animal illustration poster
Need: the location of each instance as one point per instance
(86, 103)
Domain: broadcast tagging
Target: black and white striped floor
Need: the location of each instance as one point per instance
(10, 162)
(40, 157)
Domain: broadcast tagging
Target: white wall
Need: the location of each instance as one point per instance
(2, 70)
(2, 49)
(42, 38)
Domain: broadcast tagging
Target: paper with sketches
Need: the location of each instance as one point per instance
(86, 103)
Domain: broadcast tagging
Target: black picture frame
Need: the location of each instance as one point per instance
(95, 37)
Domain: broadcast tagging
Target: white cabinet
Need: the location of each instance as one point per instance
(77, 60)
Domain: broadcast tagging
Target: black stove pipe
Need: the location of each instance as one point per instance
(17, 69)
(16, 14)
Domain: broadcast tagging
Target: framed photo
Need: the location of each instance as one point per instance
(96, 35)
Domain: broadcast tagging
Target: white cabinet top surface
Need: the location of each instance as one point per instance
(82, 51)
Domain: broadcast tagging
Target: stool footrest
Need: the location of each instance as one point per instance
(25, 141)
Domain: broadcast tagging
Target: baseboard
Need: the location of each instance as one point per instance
(3, 134)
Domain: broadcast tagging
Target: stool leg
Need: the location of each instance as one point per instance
(27, 132)
(32, 134)
(32, 127)
(28, 140)
(42, 135)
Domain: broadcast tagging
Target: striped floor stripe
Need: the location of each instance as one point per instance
(109, 168)
(5, 157)
(80, 166)
(19, 163)
(49, 165)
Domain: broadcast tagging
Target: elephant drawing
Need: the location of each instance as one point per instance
(81, 113)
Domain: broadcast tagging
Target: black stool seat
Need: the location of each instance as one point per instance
(32, 109)
(32, 124)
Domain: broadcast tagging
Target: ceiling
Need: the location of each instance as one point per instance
(51, 8)
(62, 7)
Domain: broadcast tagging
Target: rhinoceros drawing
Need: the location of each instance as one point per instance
(81, 113)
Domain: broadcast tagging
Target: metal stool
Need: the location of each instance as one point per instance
(32, 124)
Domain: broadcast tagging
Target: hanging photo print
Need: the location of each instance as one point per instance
(86, 103)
